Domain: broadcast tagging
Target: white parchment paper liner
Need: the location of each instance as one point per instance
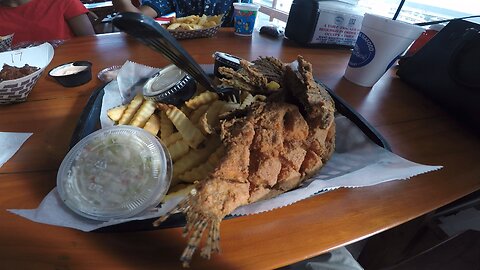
(10, 143)
(357, 162)
(124, 88)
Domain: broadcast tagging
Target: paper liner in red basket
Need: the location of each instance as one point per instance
(6, 42)
(200, 33)
(13, 91)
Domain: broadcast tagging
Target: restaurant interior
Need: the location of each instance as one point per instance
(399, 189)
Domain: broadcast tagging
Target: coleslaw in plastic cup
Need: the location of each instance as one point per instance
(115, 172)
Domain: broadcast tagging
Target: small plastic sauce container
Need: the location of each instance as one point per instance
(225, 60)
(115, 172)
(73, 73)
(170, 85)
(109, 74)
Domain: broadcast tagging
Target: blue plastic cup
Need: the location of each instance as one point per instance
(244, 16)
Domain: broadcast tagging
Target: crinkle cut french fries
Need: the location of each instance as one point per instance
(188, 132)
(194, 22)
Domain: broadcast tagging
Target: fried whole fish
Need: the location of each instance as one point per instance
(269, 149)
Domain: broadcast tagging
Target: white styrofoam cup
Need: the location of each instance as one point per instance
(380, 42)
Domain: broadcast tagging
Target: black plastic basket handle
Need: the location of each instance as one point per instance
(149, 32)
(444, 21)
(88, 121)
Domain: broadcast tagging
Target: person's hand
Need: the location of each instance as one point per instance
(127, 6)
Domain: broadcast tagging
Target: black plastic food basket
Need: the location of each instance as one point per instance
(90, 121)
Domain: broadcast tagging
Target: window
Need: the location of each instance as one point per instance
(273, 12)
(416, 11)
(413, 11)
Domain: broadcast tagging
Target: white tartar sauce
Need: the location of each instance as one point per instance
(68, 70)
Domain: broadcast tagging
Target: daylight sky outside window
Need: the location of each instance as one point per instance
(413, 11)
(429, 10)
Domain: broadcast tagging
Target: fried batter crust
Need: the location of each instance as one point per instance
(11, 73)
(254, 77)
(273, 147)
(270, 148)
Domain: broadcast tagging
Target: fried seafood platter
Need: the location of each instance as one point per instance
(228, 154)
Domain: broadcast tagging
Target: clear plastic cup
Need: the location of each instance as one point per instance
(380, 42)
(115, 172)
(244, 17)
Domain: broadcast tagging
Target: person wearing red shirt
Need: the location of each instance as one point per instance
(43, 20)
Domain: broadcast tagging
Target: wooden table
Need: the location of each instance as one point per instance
(416, 128)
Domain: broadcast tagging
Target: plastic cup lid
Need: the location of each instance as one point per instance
(164, 80)
(228, 59)
(393, 27)
(246, 6)
(113, 173)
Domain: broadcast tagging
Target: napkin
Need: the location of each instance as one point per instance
(356, 162)
(10, 142)
(124, 88)
(53, 211)
(129, 76)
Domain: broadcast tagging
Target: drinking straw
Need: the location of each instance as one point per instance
(443, 21)
(398, 10)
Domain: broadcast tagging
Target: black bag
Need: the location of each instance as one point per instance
(447, 70)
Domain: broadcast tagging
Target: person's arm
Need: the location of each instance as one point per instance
(127, 6)
(81, 25)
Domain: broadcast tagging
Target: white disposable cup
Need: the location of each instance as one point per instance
(380, 42)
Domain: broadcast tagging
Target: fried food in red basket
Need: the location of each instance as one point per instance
(11, 73)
